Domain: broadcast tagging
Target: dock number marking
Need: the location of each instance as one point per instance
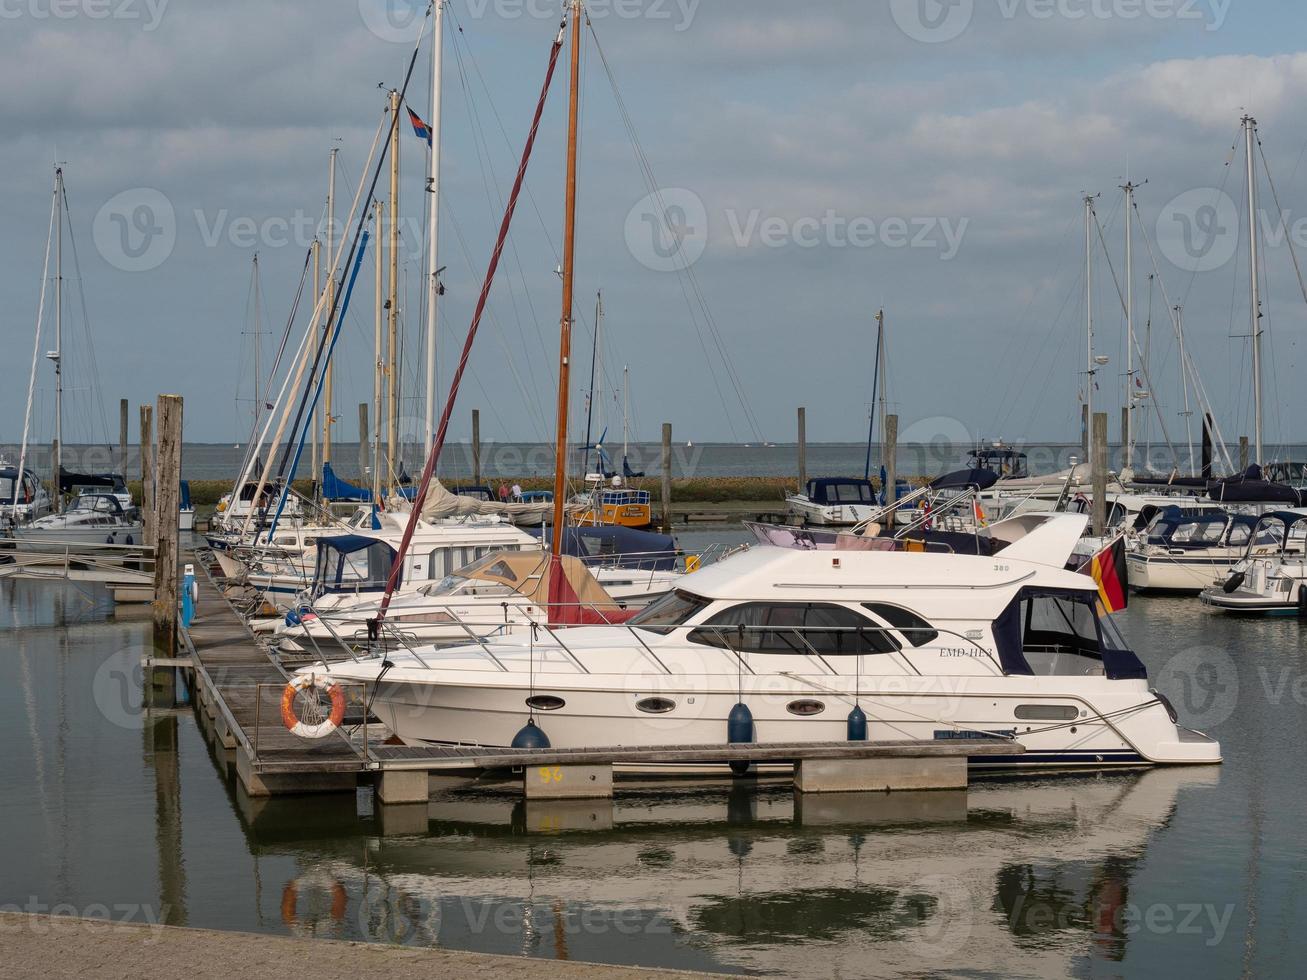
(551, 774)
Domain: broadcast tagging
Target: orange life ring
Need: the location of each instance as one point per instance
(290, 900)
(326, 685)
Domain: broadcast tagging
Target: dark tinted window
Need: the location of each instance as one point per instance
(671, 610)
(915, 630)
(794, 627)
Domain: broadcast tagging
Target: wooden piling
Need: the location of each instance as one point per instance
(1100, 473)
(476, 447)
(1243, 454)
(1084, 432)
(667, 478)
(147, 474)
(167, 505)
(363, 445)
(890, 462)
(122, 437)
(1209, 425)
(803, 450)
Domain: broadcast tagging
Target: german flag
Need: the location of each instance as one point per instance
(1108, 570)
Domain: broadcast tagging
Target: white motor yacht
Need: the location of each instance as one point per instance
(929, 646)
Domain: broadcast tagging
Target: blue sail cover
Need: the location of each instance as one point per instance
(980, 479)
(623, 547)
(336, 489)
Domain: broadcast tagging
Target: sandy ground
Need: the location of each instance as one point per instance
(41, 946)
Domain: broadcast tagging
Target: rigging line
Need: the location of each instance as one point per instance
(510, 361)
(1293, 252)
(97, 394)
(1191, 371)
(686, 271)
(490, 180)
(1012, 341)
(434, 454)
(333, 262)
(36, 351)
(1134, 343)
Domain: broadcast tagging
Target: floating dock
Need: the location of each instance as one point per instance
(239, 683)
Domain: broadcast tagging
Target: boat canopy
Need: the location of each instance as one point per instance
(68, 482)
(977, 478)
(102, 503)
(352, 563)
(832, 491)
(624, 547)
(1061, 621)
(337, 490)
(563, 584)
(1006, 463)
(441, 503)
(1251, 487)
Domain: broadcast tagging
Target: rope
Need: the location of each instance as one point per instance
(434, 454)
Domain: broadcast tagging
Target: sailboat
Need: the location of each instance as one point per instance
(102, 513)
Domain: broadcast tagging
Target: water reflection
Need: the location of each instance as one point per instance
(1020, 874)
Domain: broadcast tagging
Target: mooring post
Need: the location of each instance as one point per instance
(363, 445)
(667, 478)
(476, 447)
(167, 505)
(803, 450)
(1084, 432)
(1243, 454)
(122, 437)
(890, 462)
(147, 474)
(1100, 473)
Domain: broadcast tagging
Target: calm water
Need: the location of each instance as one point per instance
(1192, 872)
(929, 453)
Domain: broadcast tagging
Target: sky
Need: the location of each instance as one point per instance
(762, 177)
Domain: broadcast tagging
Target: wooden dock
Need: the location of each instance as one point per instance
(239, 684)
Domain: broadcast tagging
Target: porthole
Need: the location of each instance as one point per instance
(1046, 712)
(656, 706)
(805, 707)
(545, 702)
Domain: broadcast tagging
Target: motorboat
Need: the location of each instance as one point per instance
(93, 520)
(835, 502)
(23, 498)
(930, 646)
(1271, 578)
(495, 596)
(1186, 550)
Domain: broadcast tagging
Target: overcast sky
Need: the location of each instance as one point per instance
(819, 160)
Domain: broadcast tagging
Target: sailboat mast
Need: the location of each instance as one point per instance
(1184, 383)
(626, 415)
(569, 281)
(317, 320)
(1127, 434)
(258, 347)
(433, 218)
(392, 371)
(57, 357)
(379, 368)
(1250, 136)
(329, 373)
(875, 389)
(1091, 369)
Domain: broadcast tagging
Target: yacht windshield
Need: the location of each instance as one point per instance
(672, 610)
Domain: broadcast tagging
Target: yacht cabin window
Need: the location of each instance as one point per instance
(915, 630)
(672, 610)
(795, 628)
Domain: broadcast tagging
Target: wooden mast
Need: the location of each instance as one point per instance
(569, 272)
(379, 371)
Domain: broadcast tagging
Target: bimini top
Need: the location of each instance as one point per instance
(840, 490)
(977, 478)
(623, 547)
